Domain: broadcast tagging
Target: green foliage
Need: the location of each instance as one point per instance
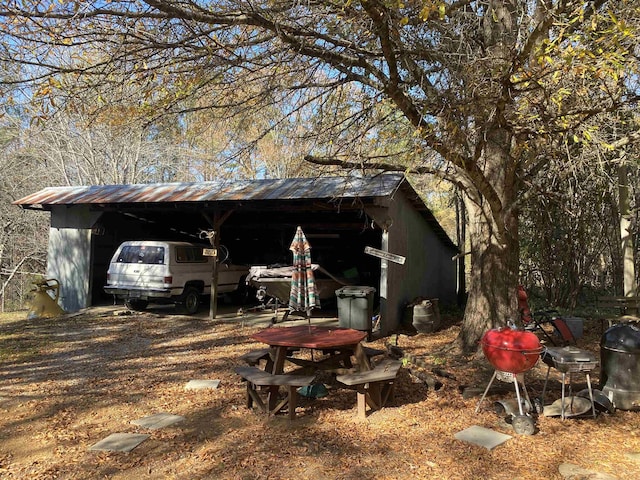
(570, 234)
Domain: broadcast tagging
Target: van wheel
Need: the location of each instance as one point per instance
(135, 304)
(190, 301)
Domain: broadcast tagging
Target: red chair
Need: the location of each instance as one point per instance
(535, 321)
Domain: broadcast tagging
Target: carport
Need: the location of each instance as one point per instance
(256, 220)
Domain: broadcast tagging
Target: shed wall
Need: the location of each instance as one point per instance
(428, 270)
(69, 254)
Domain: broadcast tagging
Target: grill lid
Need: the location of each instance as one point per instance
(624, 337)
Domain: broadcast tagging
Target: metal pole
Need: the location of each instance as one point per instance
(213, 303)
(213, 241)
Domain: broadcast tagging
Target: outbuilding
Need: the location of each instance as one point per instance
(256, 221)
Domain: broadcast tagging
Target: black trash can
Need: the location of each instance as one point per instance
(355, 307)
(620, 365)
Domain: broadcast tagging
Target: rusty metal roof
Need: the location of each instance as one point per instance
(238, 190)
(241, 191)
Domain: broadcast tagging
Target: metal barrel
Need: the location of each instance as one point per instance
(620, 365)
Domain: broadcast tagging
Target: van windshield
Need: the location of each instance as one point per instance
(141, 254)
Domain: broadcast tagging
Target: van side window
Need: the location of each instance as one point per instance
(185, 254)
(141, 254)
(197, 255)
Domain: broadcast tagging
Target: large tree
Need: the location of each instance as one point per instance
(471, 91)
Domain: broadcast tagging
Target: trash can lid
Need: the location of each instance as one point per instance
(355, 290)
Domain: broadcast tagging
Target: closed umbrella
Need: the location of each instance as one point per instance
(304, 292)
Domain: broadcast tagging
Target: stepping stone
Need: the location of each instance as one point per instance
(483, 437)
(158, 420)
(635, 456)
(119, 442)
(574, 472)
(200, 384)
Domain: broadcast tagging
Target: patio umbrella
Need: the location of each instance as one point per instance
(304, 292)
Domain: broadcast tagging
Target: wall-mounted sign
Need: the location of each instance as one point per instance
(385, 255)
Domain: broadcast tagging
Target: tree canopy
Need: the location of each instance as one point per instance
(479, 93)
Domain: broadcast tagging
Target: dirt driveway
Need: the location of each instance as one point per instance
(70, 382)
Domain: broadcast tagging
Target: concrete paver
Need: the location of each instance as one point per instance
(483, 437)
(201, 384)
(575, 472)
(119, 442)
(635, 456)
(158, 420)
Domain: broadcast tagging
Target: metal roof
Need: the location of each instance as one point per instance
(238, 190)
(290, 189)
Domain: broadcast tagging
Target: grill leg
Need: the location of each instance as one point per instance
(526, 392)
(562, 415)
(593, 406)
(495, 372)
(515, 383)
(544, 388)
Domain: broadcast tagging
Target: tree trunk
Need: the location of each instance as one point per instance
(629, 286)
(461, 234)
(494, 247)
(493, 281)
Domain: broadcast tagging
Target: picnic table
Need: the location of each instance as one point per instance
(374, 386)
(343, 341)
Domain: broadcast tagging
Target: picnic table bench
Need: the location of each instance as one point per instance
(255, 377)
(337, 361)
(374, 387)
(254, 357)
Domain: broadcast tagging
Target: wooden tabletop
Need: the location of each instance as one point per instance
(310, 336)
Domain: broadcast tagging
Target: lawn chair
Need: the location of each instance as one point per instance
(535, 321)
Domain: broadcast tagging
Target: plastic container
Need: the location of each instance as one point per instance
(355, 307)
(620, 365)
(576, 325)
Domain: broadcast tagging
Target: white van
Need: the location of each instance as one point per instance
(147, 271)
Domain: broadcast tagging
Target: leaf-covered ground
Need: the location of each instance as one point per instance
(67, 383)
